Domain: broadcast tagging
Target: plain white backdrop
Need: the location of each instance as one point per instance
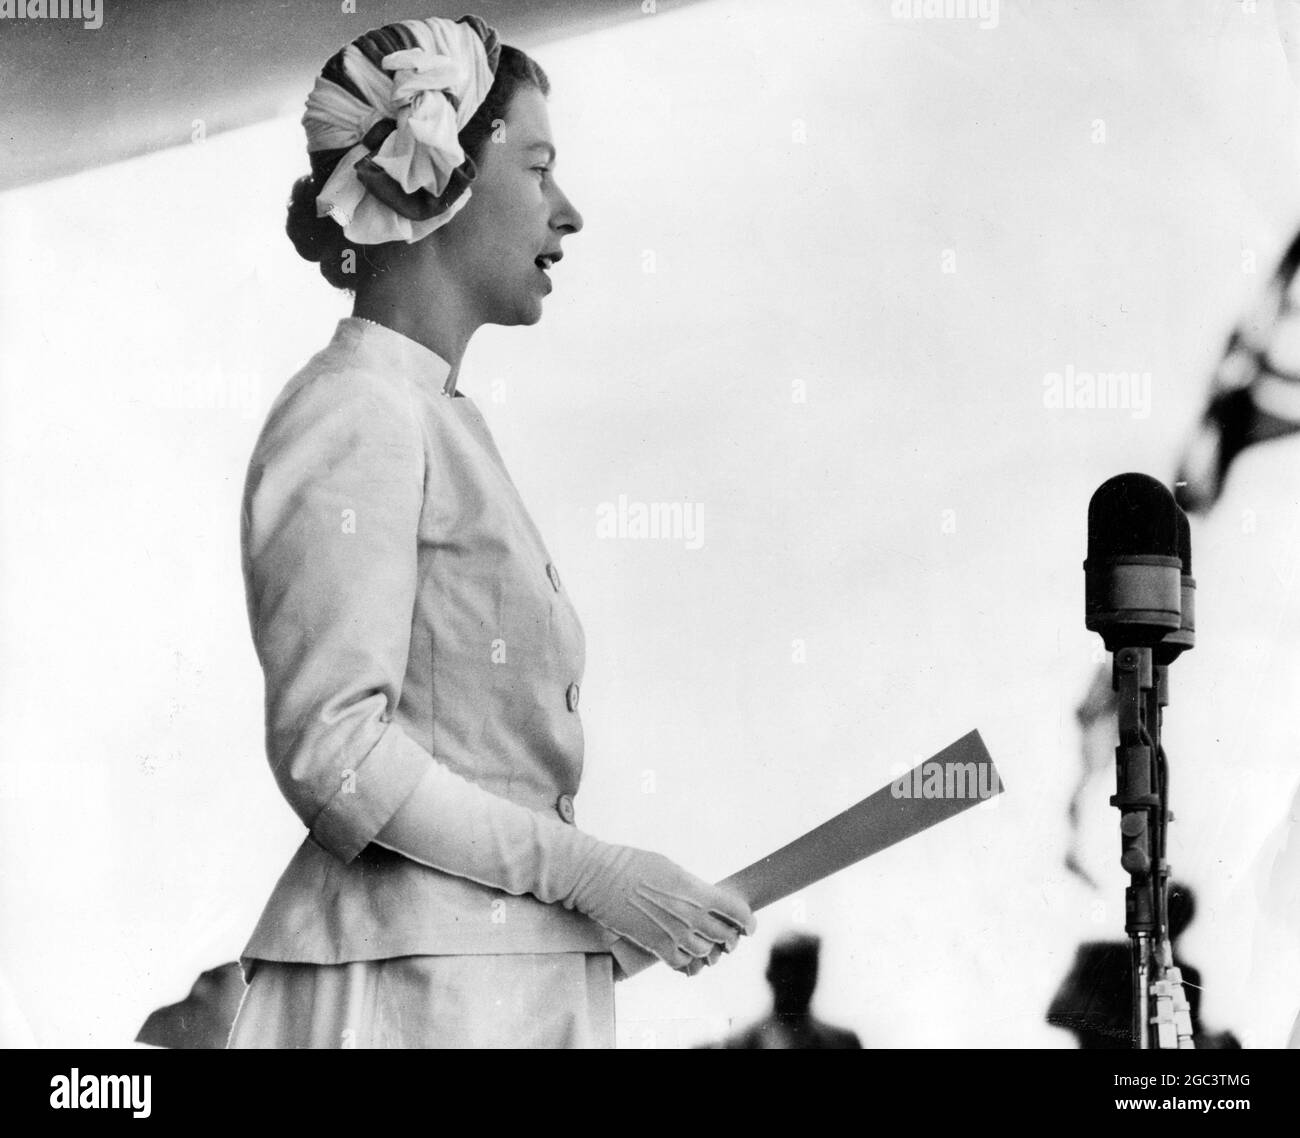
(830, 256)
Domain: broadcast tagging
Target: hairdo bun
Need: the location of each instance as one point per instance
(314, 237)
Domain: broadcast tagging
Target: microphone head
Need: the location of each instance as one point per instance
(1133, 571)
(1132, 515)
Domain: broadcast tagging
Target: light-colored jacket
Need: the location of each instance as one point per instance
(404, 610)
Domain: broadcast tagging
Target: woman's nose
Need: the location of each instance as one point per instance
(566, 216)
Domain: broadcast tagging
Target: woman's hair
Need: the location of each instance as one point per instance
(321, 240)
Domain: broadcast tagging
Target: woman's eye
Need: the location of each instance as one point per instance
(543, 169)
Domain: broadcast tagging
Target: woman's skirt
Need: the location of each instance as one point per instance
(554, 1000)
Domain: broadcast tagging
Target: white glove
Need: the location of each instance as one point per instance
(450, 824)
(657, 905)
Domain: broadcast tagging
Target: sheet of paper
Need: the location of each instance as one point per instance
(948, 783)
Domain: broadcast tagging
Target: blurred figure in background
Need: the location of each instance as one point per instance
(1095, 1001)
(1254, 392)
(792, 973)
(1254, 399)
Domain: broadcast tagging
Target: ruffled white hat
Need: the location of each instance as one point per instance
(397, 116)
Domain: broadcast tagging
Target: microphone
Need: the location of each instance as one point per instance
(1184, 637)
(1134, 572)
(1139, 594)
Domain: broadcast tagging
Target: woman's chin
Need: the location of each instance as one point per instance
(529, 311)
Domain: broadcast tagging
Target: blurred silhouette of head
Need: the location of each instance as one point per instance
(1182, 908)
(792, 972)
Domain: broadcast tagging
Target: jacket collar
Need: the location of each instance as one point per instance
(392, 350)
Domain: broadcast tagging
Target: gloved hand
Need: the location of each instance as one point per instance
(657, 905)
(454, 825)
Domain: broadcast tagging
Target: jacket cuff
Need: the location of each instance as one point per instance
(364, 803)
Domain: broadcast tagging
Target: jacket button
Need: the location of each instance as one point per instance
(554, 575)
(571, 697)
(564, 807)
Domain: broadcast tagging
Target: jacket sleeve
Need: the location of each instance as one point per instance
(329, 535)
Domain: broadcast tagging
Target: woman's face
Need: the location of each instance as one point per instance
(516, 214)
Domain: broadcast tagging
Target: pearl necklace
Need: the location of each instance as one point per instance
(448, 388)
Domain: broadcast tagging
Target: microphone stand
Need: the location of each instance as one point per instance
(1140, 807)
(1142, 797)
(1173, 1013)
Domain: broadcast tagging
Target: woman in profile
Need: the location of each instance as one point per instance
(421, 656)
